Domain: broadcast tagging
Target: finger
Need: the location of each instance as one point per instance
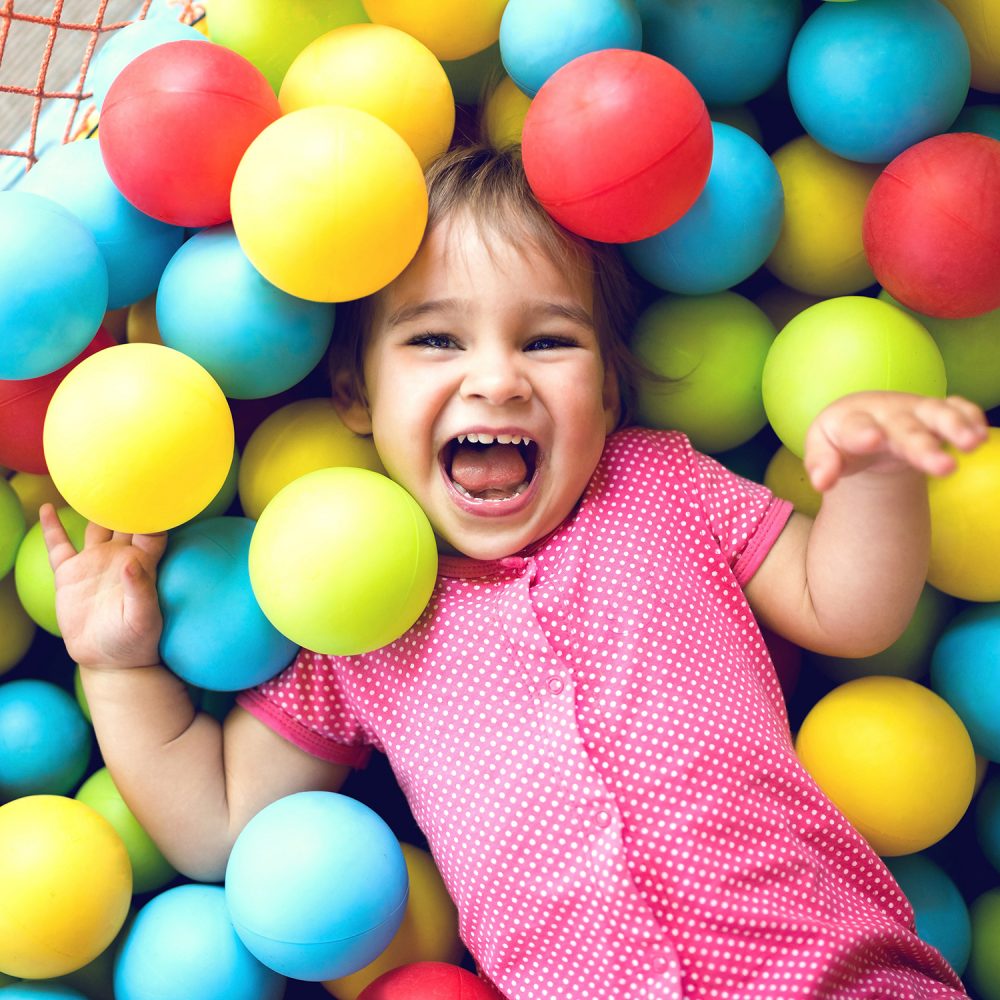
(822, 461)
(858, 433)
(920, 446)
(152, 545)
(956, 420)
(138, 596)
(95, 534)
(124, 537)
(57, 542)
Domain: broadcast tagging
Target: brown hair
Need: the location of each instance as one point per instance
(490, 184)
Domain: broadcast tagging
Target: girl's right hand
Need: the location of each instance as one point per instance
(106, 603)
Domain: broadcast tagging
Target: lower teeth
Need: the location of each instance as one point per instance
(465, 493)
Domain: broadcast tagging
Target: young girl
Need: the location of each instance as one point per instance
(585, 720)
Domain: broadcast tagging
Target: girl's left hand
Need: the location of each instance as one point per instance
(890, 432)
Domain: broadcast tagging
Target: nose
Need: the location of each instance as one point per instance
(496, 377)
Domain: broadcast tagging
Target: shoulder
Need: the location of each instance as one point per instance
(637, 450)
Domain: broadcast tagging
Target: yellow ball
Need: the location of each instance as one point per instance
(16, 627)
(980, 22)
(383, 71)
(140, 324)
(786, 477)
(33, 490)
(965, 525)
(451, 29)
(299, 438)
(428, 933)
(504, 113)
(329, 203)
(893, 757)
(819, 250)
(66, 885)
(343, 561)
(138, 438)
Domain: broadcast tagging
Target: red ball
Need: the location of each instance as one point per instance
(175, 124)
(931, 226)
(617, 145)
(23, 404)
(428, 981)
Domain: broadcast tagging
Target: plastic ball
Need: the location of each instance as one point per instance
(252, 338)
(980, 24)
(869, 79)
(965, 531)
(931, 235)
(36, 587)
(503, 114)
(981, 118)
(741, 117)
(941, 914)
(140, 323)
(214, 634)
(428, 933)
(470, 76)
(150, 869)
(781, 303)
(329, 204)
(988, 821)
(182, 944)
(301, 437)
(730, 50)
(67, 884)
(819, 250)
(31, 991)
(317, 527)
(336, 899)
(437, 980)
(157, 158)
(617, 145)
(271, 35)
(728, 232)
(786, 477)
(23, 405)
(138, 438)
(839, 346)
(712, 348)
(227, 492)
(451, 29)
(893, 757)
(537, 39)
(381, 70)
(17, 629)
(53, 286)
(34, 490)
(12, 526)
(984, 962)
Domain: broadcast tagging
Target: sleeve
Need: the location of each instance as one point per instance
(307, 705)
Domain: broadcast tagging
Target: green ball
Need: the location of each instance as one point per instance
(226, 495)
(150, 869)
(17, 630)
(984, 964)
(971, 351)
(81, 695)
(470, 77)
(342, 561)
(714, 346)
(839, 346)
(33, 575)
(12, 526)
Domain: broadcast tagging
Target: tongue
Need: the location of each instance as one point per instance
(496, 467)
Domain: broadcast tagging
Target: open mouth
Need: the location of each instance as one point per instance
(490, 468)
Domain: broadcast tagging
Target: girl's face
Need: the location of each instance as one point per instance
(497, 342)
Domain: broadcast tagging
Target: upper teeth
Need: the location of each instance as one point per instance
(489, 439)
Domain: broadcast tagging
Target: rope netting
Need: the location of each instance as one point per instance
(31, 44)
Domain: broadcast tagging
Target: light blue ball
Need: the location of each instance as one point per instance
(129, 42)
(45, 741)
(214, 634)
(182, 944)
(536, 38)
(731, 50)
(941, 914)
(135, 247)
(981, 118)
(34, 990)
(254, 339)
(316, 885)
(728, 233)
(869, 79)
(965, 666)
(53, 286)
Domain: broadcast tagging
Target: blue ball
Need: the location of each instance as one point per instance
(871, 78)
(731, 50)
(53, 286)
(941, 914)
(214, 634)
(316, 885)
(182, 944)
(965, 665)
(33, 990)
(983, 119)
(45, 741)
(135, 247)
(728, 233)
(254, 339)
(536, 38)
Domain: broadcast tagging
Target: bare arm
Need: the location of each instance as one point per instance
(847, 583)
(192, 783)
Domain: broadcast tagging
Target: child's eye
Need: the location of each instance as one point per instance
(437, 341)
(549, 343)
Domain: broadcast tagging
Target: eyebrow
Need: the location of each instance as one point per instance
(556, 310)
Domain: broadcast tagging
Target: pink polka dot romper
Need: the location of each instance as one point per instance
(592, 737)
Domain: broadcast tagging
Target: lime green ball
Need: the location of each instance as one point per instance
(33, 576)
(843, 345)
(150, 869)
(81, 695)
(971, 351)
(17, 630)
(342, 561)
(984, 963)
(714, 347)
(12, 526)
(469, 77)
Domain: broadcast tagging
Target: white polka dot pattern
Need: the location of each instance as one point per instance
(592, 737)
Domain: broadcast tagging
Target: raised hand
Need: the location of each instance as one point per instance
(106, 603)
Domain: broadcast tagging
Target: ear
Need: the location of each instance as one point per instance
(611, 399)
(351, 404)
